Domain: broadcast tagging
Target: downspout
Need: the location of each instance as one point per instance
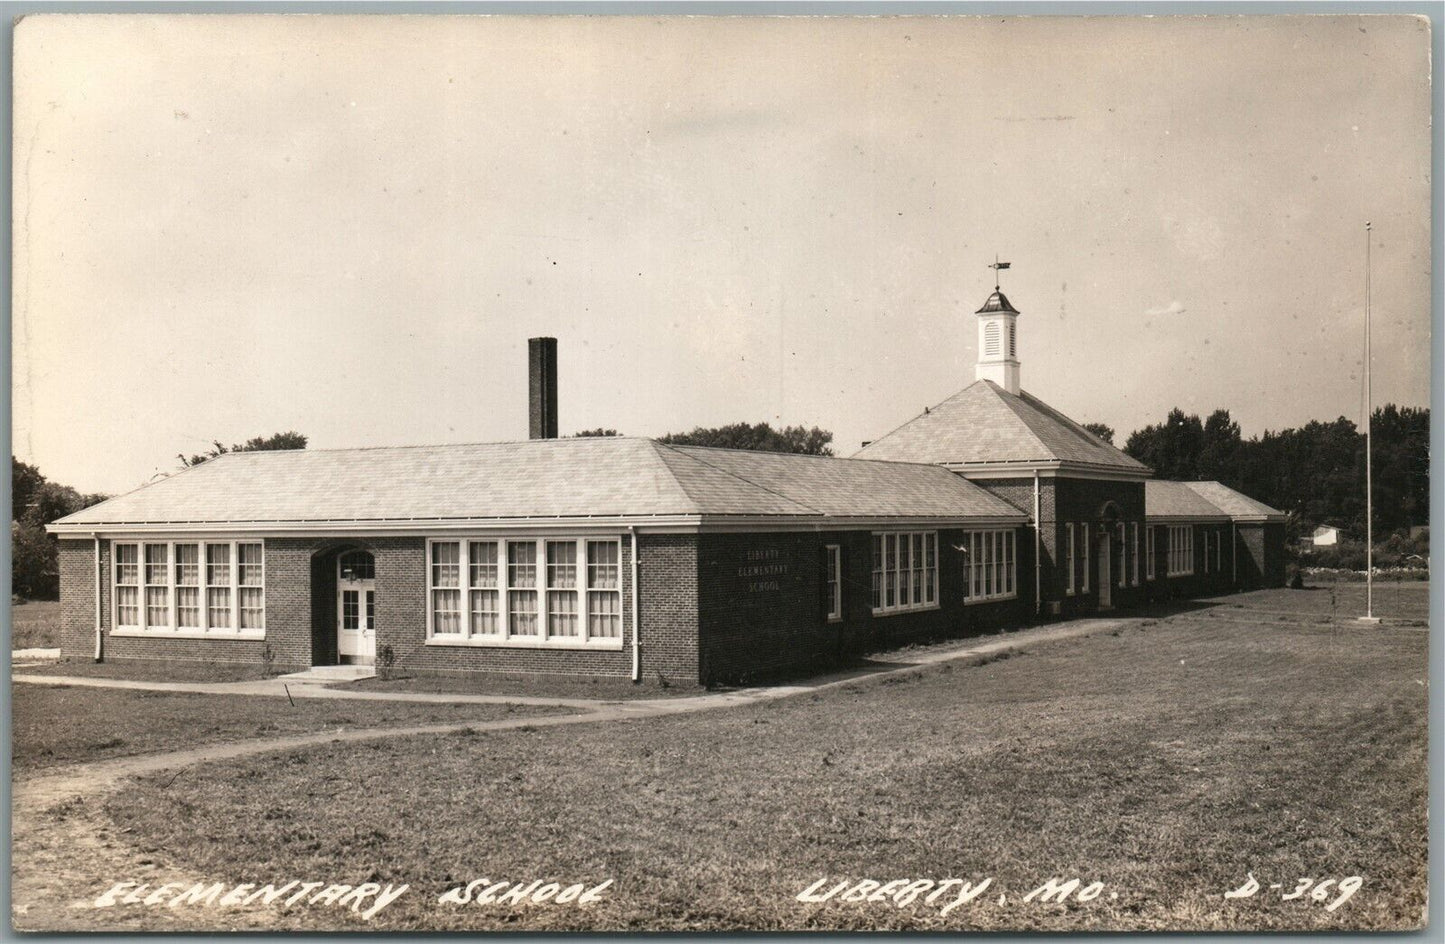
(1038, 555)
(636, 640)
(99, 576)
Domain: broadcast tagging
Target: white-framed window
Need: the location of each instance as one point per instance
(604, 590)
(190, 588)
(127, 585)
(482, 588)
(1134, 545)
(1071, 557)
(1149, 552)
(905, 571)
(1084, 538)
(1207, 536)
(1181, 549)
(1218, 552)
(990, 568)
(555, 592)
(833, 581)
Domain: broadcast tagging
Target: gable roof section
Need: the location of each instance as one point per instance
(1165, 499)
(1237, 505)
(605, 477)
(984, 424)
(842, 488)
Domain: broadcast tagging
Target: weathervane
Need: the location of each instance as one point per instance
(996, 266)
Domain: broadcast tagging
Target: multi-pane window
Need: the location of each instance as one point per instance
(1084, 564)
(1218, 552)
(127, 585)
(482, 574)
(1148, 552)
(990, 569)
(565, 591)
(1071, 567)
(251, 581)
(833, 580)
(1181, 549)
(604, 586)
(446, 594)
(218, 586)
(1207, 536)
(190, 586)
(1134, 549)
(158, 585)
(905, 571)
(522, 587)
(561, 588)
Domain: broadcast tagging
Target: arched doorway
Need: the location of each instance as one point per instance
(356, 608)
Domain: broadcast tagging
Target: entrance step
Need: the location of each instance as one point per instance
(332, 673)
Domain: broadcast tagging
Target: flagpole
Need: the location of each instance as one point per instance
(1369, 616)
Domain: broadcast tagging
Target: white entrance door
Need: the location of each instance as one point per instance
(1106, 581)
(356, 608)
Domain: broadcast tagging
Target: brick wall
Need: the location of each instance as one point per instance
(763, 606)
(1082, 502)
(1260, 547)
(77, 599)
(1207, 580)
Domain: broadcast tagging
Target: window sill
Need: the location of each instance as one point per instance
(474, 642)
(901, 611)
(974, 601)
(188, 633)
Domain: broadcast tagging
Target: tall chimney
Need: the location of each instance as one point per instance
(542, 374)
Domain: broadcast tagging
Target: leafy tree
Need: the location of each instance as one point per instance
(34, 564)
(1102, 430)
(24, 480)
(1316, 472)
(286, 440)
(1172, 448)
(599, 431)
(760, 437)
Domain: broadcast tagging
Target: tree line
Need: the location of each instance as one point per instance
(1316, 473)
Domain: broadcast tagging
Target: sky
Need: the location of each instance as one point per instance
(230, 226)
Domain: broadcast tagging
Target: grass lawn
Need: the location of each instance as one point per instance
(35, 624)
(52, 724)
(146, 671)
(1340, 601)
(1166, 761)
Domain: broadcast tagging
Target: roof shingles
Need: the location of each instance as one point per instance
(556, 478)
(984, 424)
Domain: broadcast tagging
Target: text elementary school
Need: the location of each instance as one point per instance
(625, 557)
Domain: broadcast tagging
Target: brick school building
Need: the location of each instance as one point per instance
(630, 558)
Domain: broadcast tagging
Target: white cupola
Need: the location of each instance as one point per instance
(998, 343)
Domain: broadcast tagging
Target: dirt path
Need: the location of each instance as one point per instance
(64, 853)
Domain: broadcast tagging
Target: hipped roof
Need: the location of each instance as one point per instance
(985, 424)
(603, 477)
